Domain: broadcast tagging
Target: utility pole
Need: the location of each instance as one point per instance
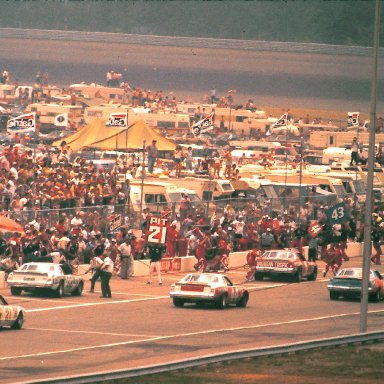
(367, 250)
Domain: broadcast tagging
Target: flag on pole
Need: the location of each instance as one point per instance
(353, 119)
(61, 120)
(22, 124)
(282, 122)
(204, 125)
(119, 120)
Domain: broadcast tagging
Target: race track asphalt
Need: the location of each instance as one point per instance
(275, 79)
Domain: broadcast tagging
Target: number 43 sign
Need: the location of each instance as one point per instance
(337, 213)
(157, 230)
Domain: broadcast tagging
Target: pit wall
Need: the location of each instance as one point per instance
(186, 263)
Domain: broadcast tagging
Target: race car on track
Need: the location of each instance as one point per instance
(11, 315)
(283, 262)
(347, 283)
(208, 288)
(44, 276)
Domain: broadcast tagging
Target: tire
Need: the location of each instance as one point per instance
(222, 301)
(333, 295)
(375, 297)
(60, 290)
(79, 289)
(313, 275)
(259, 276)
(18, 324)
(179, 303)
(16, 291)
(297, 276)
(243, 301)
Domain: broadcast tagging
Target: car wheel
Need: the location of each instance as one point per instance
(375, 297)
(222, 302)
(178, 302)
(79, 289)
(16, 291)
(297, 276)
(60, 290)
(313, 275)
(259, 276)
(244, 300)
(18, 324)
(333, 295)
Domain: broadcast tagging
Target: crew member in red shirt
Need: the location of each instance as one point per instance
(252, 263)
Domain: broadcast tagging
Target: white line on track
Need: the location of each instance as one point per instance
(90, 332)
(100, 346)
(78, 305)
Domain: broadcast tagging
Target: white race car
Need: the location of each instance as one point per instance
(210, 288)
(44, 276)
(11, 315)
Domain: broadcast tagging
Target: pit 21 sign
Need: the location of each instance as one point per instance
(157, 230)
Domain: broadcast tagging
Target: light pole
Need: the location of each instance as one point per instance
(371, 154)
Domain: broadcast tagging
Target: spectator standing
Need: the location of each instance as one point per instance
(354, 151)
(189, 159)
(153, 155)
(125, 252)
(106, 274)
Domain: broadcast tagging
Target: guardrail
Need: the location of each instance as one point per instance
(369, 337)
(194, 42)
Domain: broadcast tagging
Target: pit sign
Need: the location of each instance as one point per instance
(337, 213)
(157, 230)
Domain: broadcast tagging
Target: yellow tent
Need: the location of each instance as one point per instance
(97, 135)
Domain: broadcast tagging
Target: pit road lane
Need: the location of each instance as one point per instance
(139, 326)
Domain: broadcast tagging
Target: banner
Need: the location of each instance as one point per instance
(353, 119)
(204, 125)
(283, 121)
(115, 222)
(119, 120)
(22, 124)
(61, 120)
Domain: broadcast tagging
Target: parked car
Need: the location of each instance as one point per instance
(11, 315)
(45, 276)
(348, 281)
(208, 288)
(289, 263)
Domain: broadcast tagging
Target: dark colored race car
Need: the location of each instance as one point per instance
(208, 288)
(347, 283)
(291, 263)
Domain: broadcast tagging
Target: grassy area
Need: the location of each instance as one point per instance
(349, 364)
